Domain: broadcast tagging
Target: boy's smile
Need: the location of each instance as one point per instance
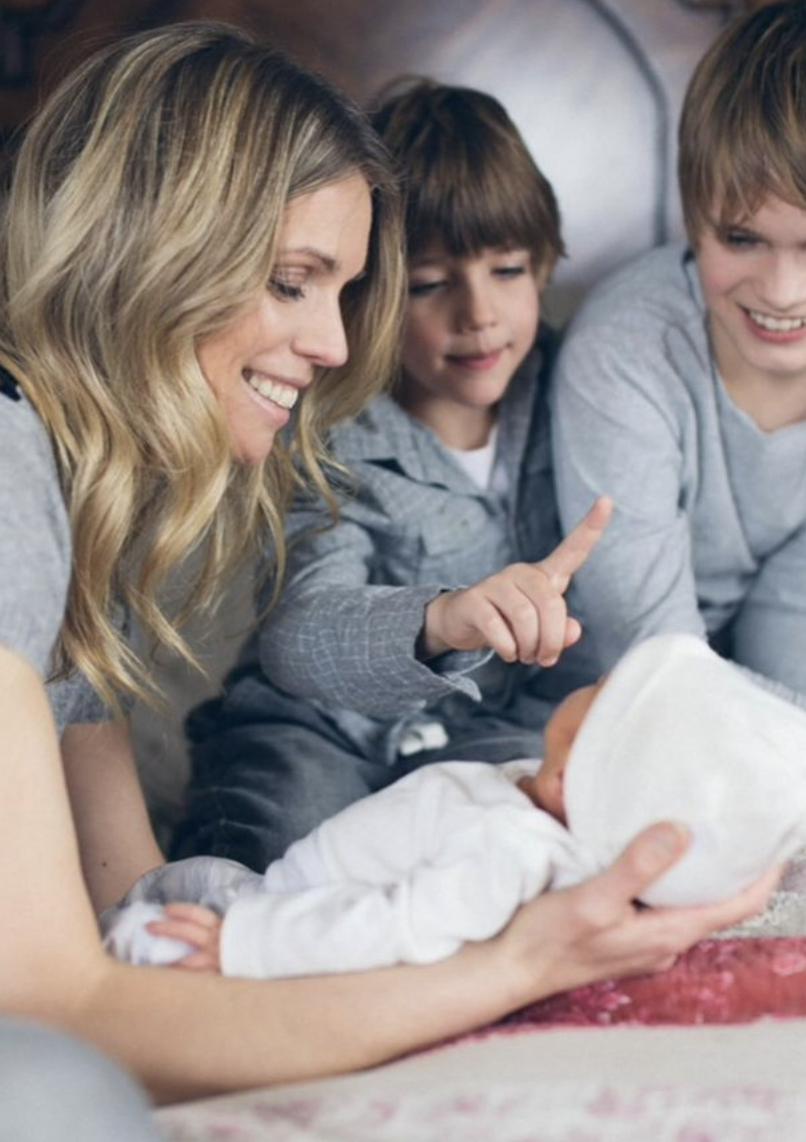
(470, 323)
(753, 276)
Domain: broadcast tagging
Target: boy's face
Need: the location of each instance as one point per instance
(753, 276)
(546, 787)
(470, 323)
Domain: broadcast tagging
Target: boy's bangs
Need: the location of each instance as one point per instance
(748, 177)
(471, 215)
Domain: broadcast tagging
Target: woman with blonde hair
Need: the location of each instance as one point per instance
(195, 233)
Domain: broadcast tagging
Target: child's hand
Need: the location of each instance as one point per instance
(196, 925)
(520, 612)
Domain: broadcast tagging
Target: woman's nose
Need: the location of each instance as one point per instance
(323, 338)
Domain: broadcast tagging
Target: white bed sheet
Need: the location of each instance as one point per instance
(665, 1084)
(736, 1083)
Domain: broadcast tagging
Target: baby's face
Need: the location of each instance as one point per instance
(546, 787)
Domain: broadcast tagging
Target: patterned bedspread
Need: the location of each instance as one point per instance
(713, 1050)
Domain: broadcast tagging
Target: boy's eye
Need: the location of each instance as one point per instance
(509, 271)
(738, 239)
(284, 289)
(422, 289)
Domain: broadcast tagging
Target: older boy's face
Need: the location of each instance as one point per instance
(753, 276)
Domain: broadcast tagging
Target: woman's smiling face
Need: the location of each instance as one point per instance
(261, 362)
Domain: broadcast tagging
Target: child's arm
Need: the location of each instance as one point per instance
(520, 612)
(769, 632)
(340, 636)
(615, 429)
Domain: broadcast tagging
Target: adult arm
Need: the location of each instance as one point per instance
(117, 844)
(188, 1035)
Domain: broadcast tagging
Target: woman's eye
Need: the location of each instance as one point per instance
(285, 290)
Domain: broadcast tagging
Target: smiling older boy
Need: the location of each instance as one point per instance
(681, 390)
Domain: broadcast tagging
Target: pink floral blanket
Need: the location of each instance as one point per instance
(717, 981)
(710, 1051)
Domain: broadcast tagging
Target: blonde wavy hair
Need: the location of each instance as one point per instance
(742, 129)
(143, 214)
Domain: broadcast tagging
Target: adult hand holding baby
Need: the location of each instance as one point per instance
(520, 612)
(595, 930)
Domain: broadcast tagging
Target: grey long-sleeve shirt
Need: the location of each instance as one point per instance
(709, 533)
(35, 556)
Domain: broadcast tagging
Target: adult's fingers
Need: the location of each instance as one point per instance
(647, 857)
(571, 553)
(711, 917)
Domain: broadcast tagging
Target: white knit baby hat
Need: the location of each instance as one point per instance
(678, 733)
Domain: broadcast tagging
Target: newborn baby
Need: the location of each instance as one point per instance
(448, 853)
(678, 733)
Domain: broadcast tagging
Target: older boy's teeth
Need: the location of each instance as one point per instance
(284, 395)
(777, 324)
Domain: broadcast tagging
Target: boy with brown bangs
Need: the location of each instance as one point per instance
(681, 388)
(418, 628)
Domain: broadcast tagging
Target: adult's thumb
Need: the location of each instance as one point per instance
(648, 856)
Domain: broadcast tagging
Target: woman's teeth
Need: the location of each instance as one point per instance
(284, 395)
(777, 324)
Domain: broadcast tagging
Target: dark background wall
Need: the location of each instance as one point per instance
(594, 85)
(356, 42)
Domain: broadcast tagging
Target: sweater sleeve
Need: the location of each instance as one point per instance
(617, 431)
(34, 537)
(769, 633)
(338, 637)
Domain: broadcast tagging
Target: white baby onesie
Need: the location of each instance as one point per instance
(409, 874)
(448, 853)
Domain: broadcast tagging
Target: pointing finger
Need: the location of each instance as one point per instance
(569, 555)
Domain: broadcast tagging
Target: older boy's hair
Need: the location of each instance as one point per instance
(743, 126)
(469, 179)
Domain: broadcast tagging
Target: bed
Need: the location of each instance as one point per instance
(672, 1084)
(711, 1051)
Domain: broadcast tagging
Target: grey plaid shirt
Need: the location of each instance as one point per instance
(344, 634)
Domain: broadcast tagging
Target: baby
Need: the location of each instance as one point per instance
(448, 853)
